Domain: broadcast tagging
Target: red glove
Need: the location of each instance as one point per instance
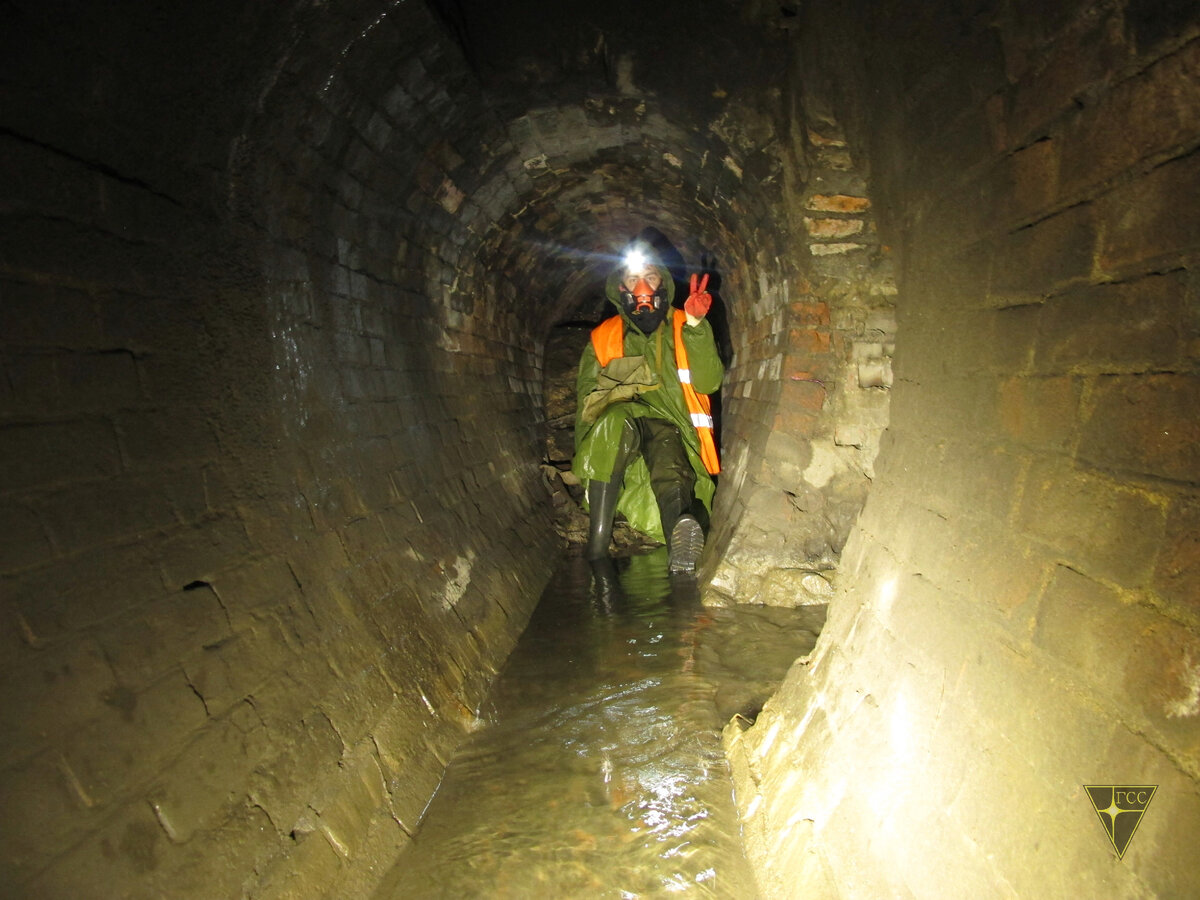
(699, 300)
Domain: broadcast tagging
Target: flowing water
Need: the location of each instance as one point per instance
(598, 771)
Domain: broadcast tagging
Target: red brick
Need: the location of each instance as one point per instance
(1146, 424)
(807, 340)
(801, 394)
(812, 314)
(795, 423)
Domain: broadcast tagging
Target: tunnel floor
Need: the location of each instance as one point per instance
(597, 769)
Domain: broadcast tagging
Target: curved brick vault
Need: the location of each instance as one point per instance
(277, 283)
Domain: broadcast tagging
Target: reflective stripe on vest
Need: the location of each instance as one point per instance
(608, 340)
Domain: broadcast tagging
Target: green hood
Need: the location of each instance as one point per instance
(612, 288)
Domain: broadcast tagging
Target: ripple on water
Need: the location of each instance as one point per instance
(599, 772)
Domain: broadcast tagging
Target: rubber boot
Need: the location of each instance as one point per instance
(606, 583)
(602, 501)
(685, 537)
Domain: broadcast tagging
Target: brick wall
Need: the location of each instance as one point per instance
(271, 511)
(1019, 613)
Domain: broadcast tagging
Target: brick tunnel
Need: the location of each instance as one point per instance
(279, 288)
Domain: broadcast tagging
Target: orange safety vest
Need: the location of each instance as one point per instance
(608, 340)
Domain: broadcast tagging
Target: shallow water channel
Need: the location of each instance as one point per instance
(598, 770)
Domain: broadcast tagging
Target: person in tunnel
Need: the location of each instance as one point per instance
(644, 443)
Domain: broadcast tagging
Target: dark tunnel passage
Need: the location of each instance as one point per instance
(288, 296)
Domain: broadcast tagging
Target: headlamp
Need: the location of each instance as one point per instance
(635, 260)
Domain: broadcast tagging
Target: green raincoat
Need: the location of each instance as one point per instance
(644, 382)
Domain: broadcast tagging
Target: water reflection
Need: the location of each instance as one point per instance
(599, 772)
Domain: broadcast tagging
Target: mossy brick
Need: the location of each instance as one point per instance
(207, 781)
(1042, 258)
(1149, 225)
(1100, 526)
(1124, 327)
(129, 741)
(1177, 571)
(47, 691)
(1145, 424)
(43, 454)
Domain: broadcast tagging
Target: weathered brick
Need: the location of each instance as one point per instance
(50, 690)
(24, 539)
(160, 634)
(43, 315)
(813, 314)
(1040, 412)
(286, 784)
(147, 726)
(127, 849)
(207, 780)
(1152, 113)
(837, 203)
(1042, 258)
(833, 228)
(49, 453)
(89, 515)
(1145, 424)
(154, 438)
(1162, 675)
(1148, 223)
(43, 813)
(1104, 528)
(1177, 573)
(199, 552)
(1086, 625)
(1108, 328)
(1079, 61)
